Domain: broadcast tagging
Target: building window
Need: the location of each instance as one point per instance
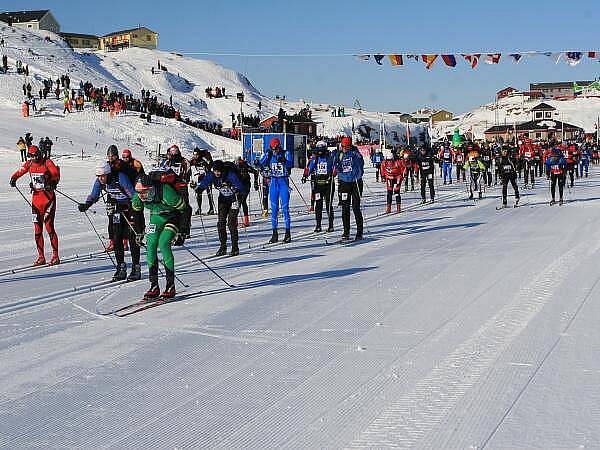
(148, 37)
(548, 115)
(538, 115)
(29, 26)
(135, 35)
(538, 135)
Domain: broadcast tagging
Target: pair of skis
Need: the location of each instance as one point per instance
(147, 303)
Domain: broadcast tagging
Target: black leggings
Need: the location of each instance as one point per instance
(427, 178)
(513, 181)
(350, 193)
(324, 192)
(121, 230)
(560, 177)
(227, 217)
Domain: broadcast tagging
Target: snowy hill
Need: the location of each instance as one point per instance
(516, 109)
(129, 71)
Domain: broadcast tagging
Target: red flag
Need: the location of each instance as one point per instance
(450, 60)
(592, 54)
(428, 60)
(472, 59)
(492, 58)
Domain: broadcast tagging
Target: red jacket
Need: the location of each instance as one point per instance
(44, 174)
(392, 169)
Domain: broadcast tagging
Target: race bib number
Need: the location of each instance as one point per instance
(344, 195)
(346, 165)
(527, 155)
(277, 169)
(38, 180)
(117, 218)
(34, 218)
(198, 172)
(235, 205)
(486, 158)
(110, 208)
(322, 168)
(317, 196)
(425, 166)
(507, 167)
(225, 191)
(446, 155)
(151, 228)
(176, 169)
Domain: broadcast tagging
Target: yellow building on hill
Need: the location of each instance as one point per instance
(134, 37)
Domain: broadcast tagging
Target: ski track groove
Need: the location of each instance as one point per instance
(373, 386)
(405, 422)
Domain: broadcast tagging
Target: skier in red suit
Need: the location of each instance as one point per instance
(392, 171)
(44, 177)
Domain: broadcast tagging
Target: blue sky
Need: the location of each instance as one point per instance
(330, 27)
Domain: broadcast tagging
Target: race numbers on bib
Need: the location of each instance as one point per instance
(344, 195)
(235, 205)
(38, 180)
(277, 169)
(317, 196)
(117, 218)
(226, 191)
(151, 228)
(322, 168)
(34, 218)
(346, 165)
(425, 166)
(176, 168)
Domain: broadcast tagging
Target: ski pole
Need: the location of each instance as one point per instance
(300, 193)
(208, 267)
(67, 196)
(23, 195)
(203, 230)
(100, 239)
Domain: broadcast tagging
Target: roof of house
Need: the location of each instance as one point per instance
(23, 16)
(509, 88)
(557, 85)
(78, 35)
(543, 107)
(128, 30)
(533, 125)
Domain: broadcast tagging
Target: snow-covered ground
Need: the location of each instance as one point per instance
(452, 325)
(580, 111)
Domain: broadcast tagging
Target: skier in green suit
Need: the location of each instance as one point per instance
(166, 207)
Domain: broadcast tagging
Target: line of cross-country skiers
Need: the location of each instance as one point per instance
(127, 190)
(484, 165)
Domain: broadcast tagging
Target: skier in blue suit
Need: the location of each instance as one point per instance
(280, 164)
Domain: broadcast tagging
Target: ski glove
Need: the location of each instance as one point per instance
(83, 207)
(13, 182)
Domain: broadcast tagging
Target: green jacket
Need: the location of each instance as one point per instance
(475, 166)
(166, 200)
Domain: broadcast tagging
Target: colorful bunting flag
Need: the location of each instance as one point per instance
(413, 57)
(450, 60)
(396, 60)
(472, 59)
(592, 55)
(492, 58)
(363, 57)
(378, 58)
(516, 57)
(428, 60)
(573, 58)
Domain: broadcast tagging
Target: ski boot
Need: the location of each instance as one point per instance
(329, 229)
(211, 212)
(288, 236)
(274, 237)
(222, 251)
(480, 196)
(110, 247)
(517, 201)
(552, 202)
(120, 273)
(125, 245)
(388, 209)
(345, 238)
(358, 237)
(41, 261)
(168, 293)
(398, 208)
(265, 214)
(55, 260)
(234, 250)
(560, 202)
(136, 273)
(197, 212)
(152, 293)
(470, 197)
(246, 221)
(425, 201)
(317, 229)
(450, 181)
